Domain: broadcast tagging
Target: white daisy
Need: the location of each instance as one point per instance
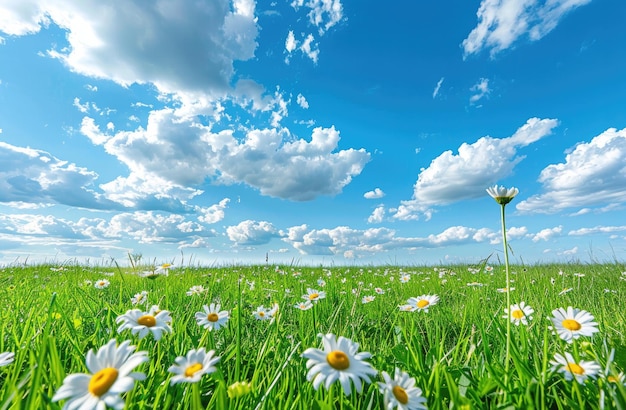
(195, 290)
(163, 269)
(261, 313)
(6, 358)
(306, 305)
(141, 323)
(572, 370)
(572, 323)
(501, 194)
(111, 375)
(401, 393)
(519, 313)
(338, 360)
(423, 302)
(406, 308)
(190, 368)
(367, 299)
(273, 312)
(101, 284)
(140, 298)
(212, 318)
(314, 295)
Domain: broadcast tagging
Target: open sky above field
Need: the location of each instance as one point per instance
(317, 131)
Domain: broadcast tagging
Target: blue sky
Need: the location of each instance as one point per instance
(311, 131)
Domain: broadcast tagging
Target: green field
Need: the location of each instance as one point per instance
(456, 351)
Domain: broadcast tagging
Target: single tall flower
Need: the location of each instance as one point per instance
(575, 370)
(190, 368)
(212, 318)
(573, 323)
(400, 392)
(423, 302)
(503, 196)
(142, 323)
(111, 375)
(338, 360)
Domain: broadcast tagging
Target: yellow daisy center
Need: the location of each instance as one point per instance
(338, 360)
(102, 381)
(423, 303)
(400, 394)
(147, 320)
(261, 313)
(575, 369)
(314, 296)
(166, 265)
(612, 379)
(517, 314)
(193, 369)
(571, 324)
(212, 317)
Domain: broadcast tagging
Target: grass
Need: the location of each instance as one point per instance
(456, 351)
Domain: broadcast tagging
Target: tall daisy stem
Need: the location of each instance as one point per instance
(508, 296)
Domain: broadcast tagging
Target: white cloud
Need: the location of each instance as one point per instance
(593, 174)
(138, 42)
(452, 178)
(377, 215)
(375, 194)
(213, 213)
(323, 14)
(310, 48)
(171, 154)
(597, 230)
(302, 102)
(547, 234)
(252, 232)
(502, 22)
(437, 88)
(480, 90)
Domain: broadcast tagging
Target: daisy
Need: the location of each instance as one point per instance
(504, 290)
(151, 274)
(379, 291)
(572, 323)
(140, 298)
(321, 282)
(423, 302)
(6, 358)
(212, 318)
(338, 360)
(572, 370)
(306, 305)
(261, 313)
(164, 269)
(367, 299)
(519, 313)
(405, 278)
(190, 368)
(110, 375)
(195, 290)
(401, 393)
(272, 312)
(502, 195)
(101, 284)
(314, 295)
(142, 323)
(406, 308)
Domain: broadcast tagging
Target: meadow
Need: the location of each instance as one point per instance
(450, 339)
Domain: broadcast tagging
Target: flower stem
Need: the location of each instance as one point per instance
(508, 297)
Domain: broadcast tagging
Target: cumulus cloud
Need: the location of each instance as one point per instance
(547, 234)
(502, 22)
(377, 215)
(597, 230)
(252, 232)
(480, 90)
(455, 177)
(593, 174)
(171, 154)
(375, 194)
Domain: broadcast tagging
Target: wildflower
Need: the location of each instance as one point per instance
(564, 291)
(101, 284)
(306, 305)
(272, 312)
(406, 308)
(140, 298)
(6, 358)
(163, 269)
(504, 290)
(572, 370)
(212, 318)
(502, 195)
(519, 313)
(423, 302)
(111, 375)
(405, 278)
(239, 389)
(572, 323)
(191, 368)
(367, 299)
(475, 284)
(401, 393)
(338, 360)
(261, 313)
(488, 269)
(195, 290)
(321, 282)
(379, 291)
(619, 378)
(142, 323)
(314, 295)
(151, 274)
